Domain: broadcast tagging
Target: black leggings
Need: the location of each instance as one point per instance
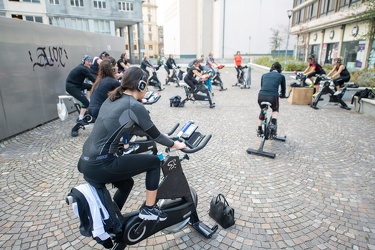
(120, 170)
(341, 80)
(191, 82)
(274, 100)
(76, 92)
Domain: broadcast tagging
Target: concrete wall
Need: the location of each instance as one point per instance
(34, 66)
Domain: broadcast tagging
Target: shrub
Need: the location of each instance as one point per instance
(364, 78)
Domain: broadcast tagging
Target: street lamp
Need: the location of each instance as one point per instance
(249, 47)
(290, 13)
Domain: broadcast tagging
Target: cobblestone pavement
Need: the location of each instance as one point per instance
(318, 193)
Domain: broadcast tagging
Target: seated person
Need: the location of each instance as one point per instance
(340, 74)
(192, 73)
(312, 69)
(269, 92)
(119, 115)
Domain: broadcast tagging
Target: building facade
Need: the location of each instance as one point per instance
(111, 17)
(150, 28)
(196, 27)
(328, 29)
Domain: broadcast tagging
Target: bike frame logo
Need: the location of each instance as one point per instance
(49, 57)
(172, 164)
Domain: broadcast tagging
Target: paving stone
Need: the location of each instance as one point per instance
(318, 193)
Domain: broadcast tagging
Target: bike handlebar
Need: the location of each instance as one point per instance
(173, 129)
(202, 144)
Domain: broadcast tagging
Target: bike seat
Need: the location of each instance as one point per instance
(266, 103)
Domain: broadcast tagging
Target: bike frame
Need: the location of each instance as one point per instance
(268, 134)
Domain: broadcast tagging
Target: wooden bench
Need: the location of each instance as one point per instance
(365, 106)
(301, 95)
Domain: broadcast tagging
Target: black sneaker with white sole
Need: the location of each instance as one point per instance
(153, 213)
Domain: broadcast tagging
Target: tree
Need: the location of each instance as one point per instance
(275, 40)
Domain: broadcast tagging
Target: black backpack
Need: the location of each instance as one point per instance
(175, 101)
(366, 93)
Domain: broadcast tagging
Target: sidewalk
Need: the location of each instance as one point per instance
(318, 193)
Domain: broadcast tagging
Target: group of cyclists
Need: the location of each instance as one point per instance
(118, 111)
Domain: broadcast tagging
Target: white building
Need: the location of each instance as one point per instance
(196, 27)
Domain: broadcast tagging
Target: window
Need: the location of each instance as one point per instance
(76, 3)
(99, 4)
(80, 24)
(327, 6)
(149, 18)
(102, 27)
(149, 28)
(126, 6)
(150, 47)
(150, 37)
(54, 1)
(126, 47)
(347, 3)
(57, 21)
(312, 11)
(31, 1)
(37, 19)
(135, 46)
(15, 16)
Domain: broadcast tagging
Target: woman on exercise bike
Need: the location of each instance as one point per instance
(269, 92)
(312, 69)
(192, 73)
(340, 74)
(238, 63)
(121, 113)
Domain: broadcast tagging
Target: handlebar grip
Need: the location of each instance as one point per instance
(201, 145)
(173, 129)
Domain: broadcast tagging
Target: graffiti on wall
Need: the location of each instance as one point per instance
(50, 56)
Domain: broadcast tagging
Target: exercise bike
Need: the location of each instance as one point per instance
(268, 134)
(244, 79)
(324, 89)
(175, 197)
(176, 77)
(151, 97)
(216, 79)
(154, 80)
(201, 92)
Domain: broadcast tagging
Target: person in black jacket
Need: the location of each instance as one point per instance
(145, 63)
(269, 92)
(170, 64)
(75, 84)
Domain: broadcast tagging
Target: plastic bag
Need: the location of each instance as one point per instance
(61, 110)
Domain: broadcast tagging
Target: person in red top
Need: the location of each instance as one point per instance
(238, 63)
(312, 69)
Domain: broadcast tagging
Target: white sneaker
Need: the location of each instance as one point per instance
(337, 92)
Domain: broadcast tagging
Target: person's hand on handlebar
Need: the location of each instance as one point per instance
(179, 145)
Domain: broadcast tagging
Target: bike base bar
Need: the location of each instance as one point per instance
(259, 152)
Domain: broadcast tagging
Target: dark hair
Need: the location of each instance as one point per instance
(311, 57)
(130, 81)
(103, 54)
(105, 69)
(276, 66)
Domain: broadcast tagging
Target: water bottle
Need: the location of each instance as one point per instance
(160, 156)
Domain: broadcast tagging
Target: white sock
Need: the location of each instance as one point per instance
(80, 117)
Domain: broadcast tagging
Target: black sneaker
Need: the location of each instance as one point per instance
(273, 128)
(259, 132)
(153, 213)
(75, 129)
(82, 122)
(132, 148)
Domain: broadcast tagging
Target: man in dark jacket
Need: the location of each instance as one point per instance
(75, 84)
(269, 92)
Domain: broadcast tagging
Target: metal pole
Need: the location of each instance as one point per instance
(249, 47)
(287, 43)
